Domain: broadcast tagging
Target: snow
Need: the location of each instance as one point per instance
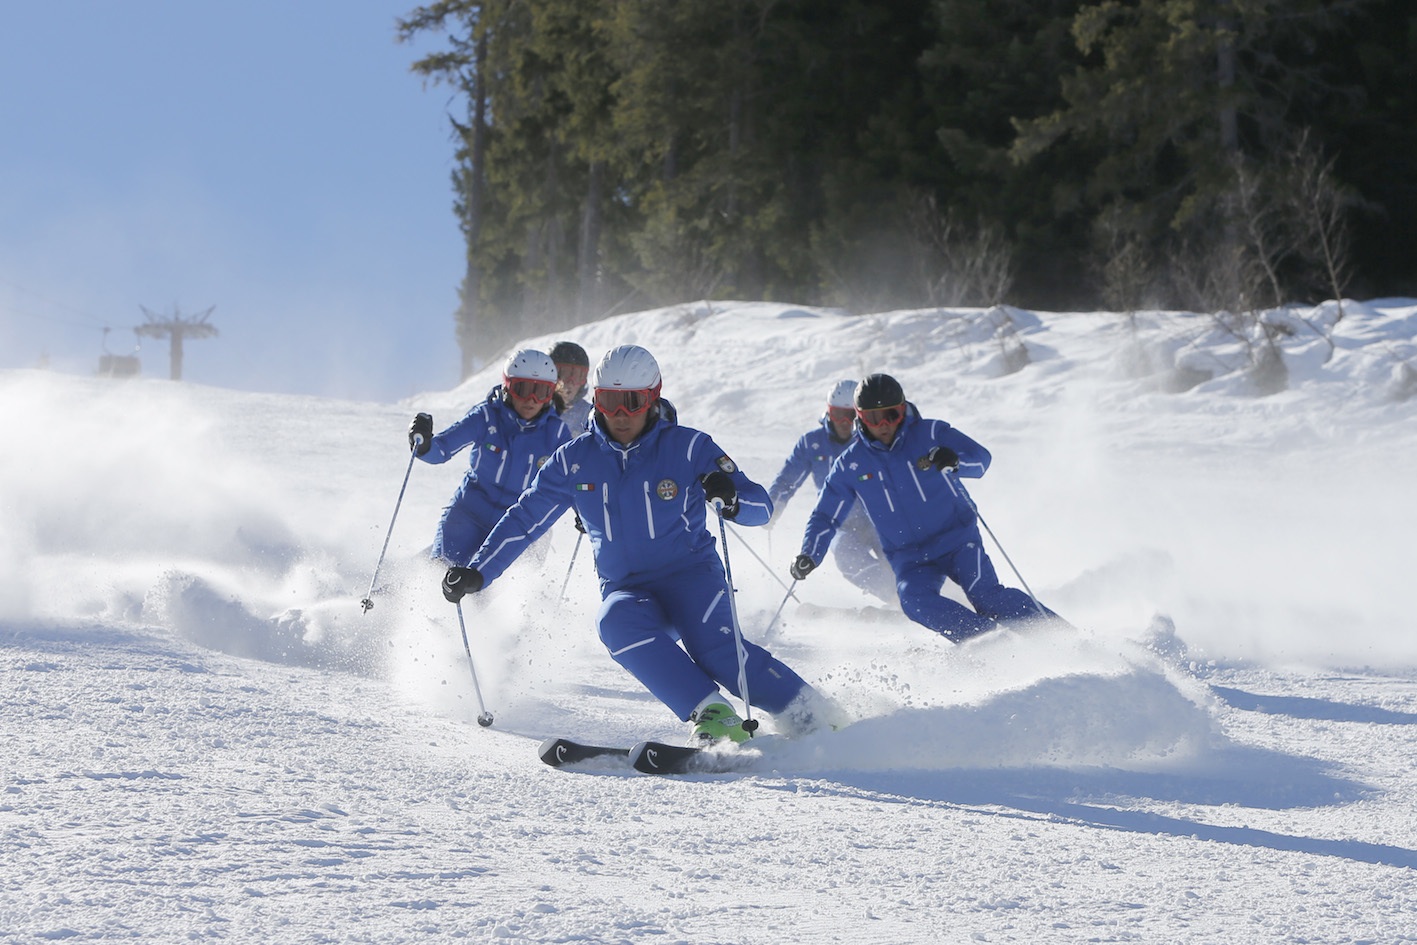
(206, 738)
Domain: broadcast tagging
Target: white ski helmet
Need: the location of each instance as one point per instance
(842, 394)
(627, 367)
(529, 364)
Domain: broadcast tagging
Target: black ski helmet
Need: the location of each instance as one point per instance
(879, 390)
(568, 352)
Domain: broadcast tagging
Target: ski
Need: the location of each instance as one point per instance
(562, 751)
(647, 757)
(663, 758)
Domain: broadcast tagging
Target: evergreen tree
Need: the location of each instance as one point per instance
(1178, 94)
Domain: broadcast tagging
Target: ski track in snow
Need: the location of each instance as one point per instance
(205, 737)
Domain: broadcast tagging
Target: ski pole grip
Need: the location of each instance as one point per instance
(717, 504)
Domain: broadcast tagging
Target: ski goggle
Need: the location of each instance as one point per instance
(882, 416)
(841, 414)
(524, 388)
(572, 375)
(612, 400)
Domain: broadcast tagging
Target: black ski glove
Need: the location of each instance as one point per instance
(943, 458)
(717, 485)
(802, 566)
(420, 433)
(459, 582)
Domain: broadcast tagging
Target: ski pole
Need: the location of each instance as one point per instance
(484, 718)
(767, 567)
(1031, 596)
(773, 622)
(566, 583)
(750, 725)
(368, 602)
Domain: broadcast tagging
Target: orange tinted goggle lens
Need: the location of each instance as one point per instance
(629, 402)
(572, 375)
(536, 391)
(841, 414)
(882, 416)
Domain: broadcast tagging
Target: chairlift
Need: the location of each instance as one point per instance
(118, 365)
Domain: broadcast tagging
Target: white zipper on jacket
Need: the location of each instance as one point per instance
(605, 510)
(649, 510)
(916, 479)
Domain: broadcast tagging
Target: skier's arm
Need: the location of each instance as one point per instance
(834, 503)
(538, 508)
(754, 506)
(794, 472)
(974, 459)
(444, 446)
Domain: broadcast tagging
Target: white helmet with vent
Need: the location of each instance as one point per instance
(627, 367)
(530, 364)
(842, 394)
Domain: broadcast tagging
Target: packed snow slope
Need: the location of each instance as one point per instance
(206, 738)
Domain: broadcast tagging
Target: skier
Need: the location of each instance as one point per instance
(857, 550)
(572, 368)
(510, 434)
(639, 481)
(926, 522)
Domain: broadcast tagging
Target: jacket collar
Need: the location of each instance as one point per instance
(665, 415)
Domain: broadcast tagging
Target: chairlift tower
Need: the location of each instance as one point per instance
(176, 329)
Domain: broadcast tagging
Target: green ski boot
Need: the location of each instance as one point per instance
(715, 722)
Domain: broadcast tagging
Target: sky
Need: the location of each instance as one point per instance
(205, 737)
(277, 162)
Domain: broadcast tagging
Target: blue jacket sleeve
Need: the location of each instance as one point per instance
(974, 459)
(444, 446)
(794, 472)
(754, 506)
(538, 508)
(834, 503)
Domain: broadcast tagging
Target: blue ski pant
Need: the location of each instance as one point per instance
(968, 566)
(461, 532)
(675, 635)
(463, 528)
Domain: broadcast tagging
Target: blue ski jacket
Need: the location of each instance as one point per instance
(576, 416)
(505, 452)
(919, 513)
(812, 455)
(642, 505)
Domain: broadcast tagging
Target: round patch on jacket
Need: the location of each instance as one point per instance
(667, 489)
(726, 464)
